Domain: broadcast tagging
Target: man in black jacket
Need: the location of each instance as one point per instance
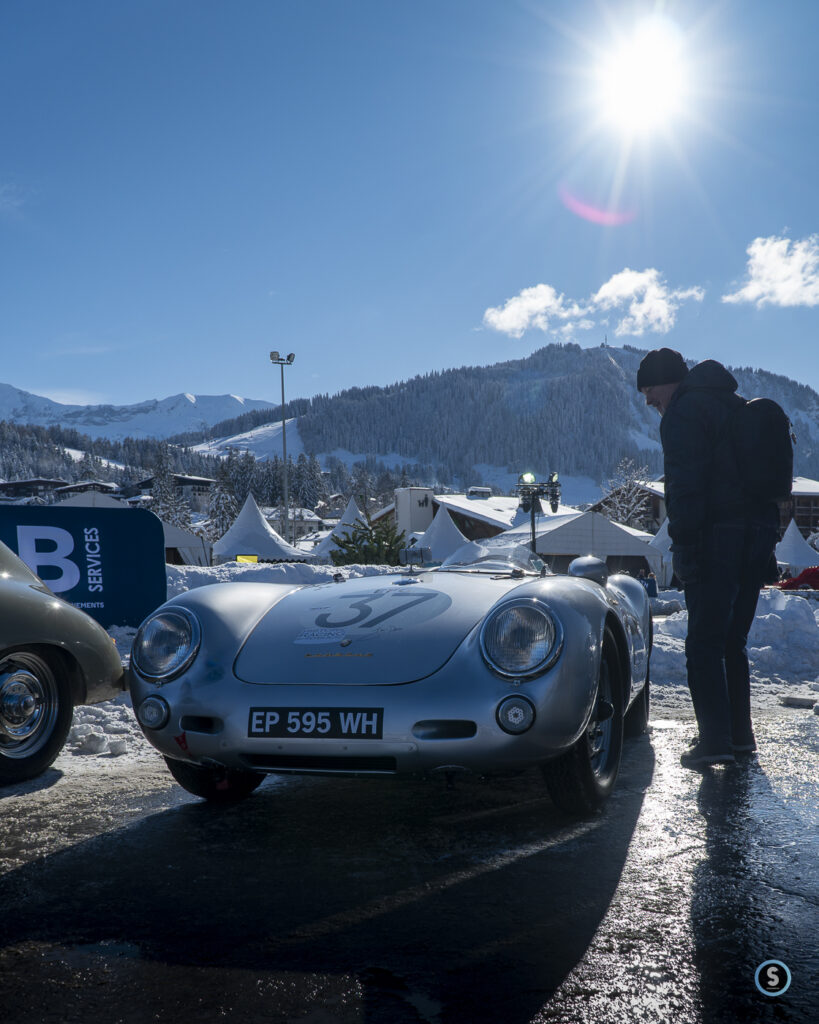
(722, 545)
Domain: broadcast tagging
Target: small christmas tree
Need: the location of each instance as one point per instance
(370, 544)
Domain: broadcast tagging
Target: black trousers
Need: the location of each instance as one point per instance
(721, 607)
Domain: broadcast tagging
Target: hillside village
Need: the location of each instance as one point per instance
(442, 452)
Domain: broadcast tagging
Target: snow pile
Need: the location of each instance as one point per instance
(783, 648)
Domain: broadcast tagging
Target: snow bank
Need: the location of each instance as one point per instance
(783, 649)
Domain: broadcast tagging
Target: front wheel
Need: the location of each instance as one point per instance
(581, 780)
(219, 785)
(36, 711)
(636, 720)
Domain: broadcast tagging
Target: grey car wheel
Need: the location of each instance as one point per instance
(36, 710)
(219, 785)
(581, 780)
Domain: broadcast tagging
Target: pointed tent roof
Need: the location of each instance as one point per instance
(793, 550)
(251, 534)
(442, 536)
(351, 515)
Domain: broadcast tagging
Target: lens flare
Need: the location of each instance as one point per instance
(595, 214)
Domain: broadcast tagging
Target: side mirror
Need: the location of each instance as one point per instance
(587, 567)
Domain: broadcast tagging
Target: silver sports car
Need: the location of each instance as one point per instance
(488, 663)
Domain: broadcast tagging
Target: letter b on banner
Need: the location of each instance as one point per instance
(110, 562)
(47, 548)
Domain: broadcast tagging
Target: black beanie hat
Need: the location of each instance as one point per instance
(661, 366)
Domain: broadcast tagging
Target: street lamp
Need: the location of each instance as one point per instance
(530, 493)
(282, 362)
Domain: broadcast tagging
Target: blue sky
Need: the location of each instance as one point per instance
(390, 188)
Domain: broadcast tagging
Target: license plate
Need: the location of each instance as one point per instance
(328, 723)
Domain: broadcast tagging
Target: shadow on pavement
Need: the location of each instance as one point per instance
(325, 899)
(755, 898)
(49, 778)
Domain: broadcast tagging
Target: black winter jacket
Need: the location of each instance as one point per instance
(702, 483)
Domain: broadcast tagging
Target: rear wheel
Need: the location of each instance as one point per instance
(219, 785)
(581, 780)
(36, 710)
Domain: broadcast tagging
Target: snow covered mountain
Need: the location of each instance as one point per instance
(565, 408)
(157, 418)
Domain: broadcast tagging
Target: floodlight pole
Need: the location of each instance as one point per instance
(283, 361)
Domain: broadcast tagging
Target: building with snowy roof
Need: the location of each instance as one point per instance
(477, 513)
(561, 538)
(181, 546)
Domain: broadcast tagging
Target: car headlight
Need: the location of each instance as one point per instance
(166, 644)
(521, 638)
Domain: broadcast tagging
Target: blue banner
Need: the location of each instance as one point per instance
(109, 562)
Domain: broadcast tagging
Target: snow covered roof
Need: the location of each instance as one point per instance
(442, 537)
(251, 534)
(794, 551)
(498, 510)
(589, 533)
(653, 487)
(805, 487)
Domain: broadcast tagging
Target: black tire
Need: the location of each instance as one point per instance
(636, 720)
(581, 780)
(36, 710)
(218, 785)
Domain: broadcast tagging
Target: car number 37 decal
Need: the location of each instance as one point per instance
(403, 607)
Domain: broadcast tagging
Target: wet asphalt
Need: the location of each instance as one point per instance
(317, 900)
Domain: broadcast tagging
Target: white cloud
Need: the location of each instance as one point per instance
(533, 307)
(648, 302)
(781, 272)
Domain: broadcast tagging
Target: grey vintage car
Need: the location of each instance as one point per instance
(488, 663)
(52, 657)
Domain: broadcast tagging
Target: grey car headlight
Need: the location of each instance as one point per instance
(166, 644)
(521, 638)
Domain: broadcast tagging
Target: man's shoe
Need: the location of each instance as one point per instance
(699, 755)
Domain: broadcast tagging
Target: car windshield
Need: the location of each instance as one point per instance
(493, 554)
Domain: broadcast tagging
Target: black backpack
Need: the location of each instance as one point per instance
(762, 440)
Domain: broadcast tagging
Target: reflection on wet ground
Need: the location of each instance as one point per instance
(371, 900)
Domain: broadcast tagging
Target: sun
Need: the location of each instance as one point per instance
(642, 84)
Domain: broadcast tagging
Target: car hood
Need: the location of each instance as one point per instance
(376, 630)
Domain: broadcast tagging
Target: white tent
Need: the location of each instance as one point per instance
(794, 551)
(442, 537)
(251, 534)
(563, 537)
(352, 514)
(193, 549)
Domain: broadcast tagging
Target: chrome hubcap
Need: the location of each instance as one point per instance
(27, 710)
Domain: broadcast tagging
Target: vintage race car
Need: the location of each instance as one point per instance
(52, 657)
(488, 663)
